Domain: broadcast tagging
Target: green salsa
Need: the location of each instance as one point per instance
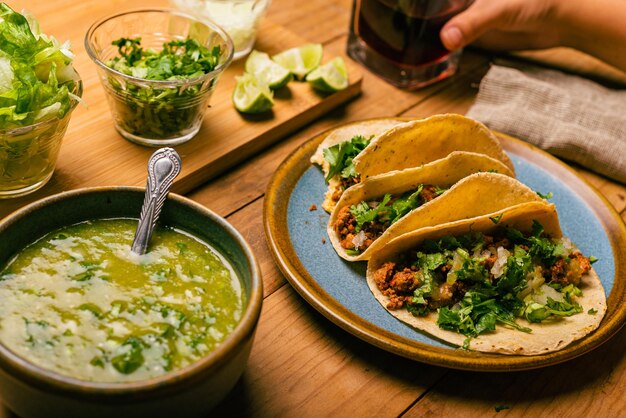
(80, 303)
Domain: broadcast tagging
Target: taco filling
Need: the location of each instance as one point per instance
(358, 226)
(477, 281)
(339, 158)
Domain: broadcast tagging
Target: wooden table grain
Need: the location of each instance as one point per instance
(302, 365)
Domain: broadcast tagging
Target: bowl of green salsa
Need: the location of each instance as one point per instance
(88, 328)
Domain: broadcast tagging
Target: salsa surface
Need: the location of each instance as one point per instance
(80, 303)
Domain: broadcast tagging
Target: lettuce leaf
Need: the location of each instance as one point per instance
(36, 73)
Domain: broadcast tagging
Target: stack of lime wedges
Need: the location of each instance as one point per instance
(254, 90)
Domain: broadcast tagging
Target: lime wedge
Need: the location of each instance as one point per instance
(262, 67)
(300, 61)
(252, 95)
(330, 77)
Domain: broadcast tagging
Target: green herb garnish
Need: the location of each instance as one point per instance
(545, 196)
(155, 111)
(131, 359)
(340, 156)
(364, 214)
(536, 312)
(389, 211)
(489, 302)
(93, 308)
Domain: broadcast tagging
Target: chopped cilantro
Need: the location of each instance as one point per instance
(389, 210)
(430, 261)
(425, 290)
(405, 203)
(168, 111)
(478, 313)
(440, 190)
(131, 359)
(593, 259)
(592, 311)
(466, 343)
(88, 273)
(495, 219)
(98, 361)
(129, 49)
(178, 60)
(93, 308)
(489, 301)
(545, 196)
(340, 156)
(364, 214)
(536, 312)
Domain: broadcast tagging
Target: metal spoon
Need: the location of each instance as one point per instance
(163, 167)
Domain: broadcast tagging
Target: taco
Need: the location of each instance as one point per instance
(421, 141)
(507, 282)
(339, 147)
(384, 145)
(373, 212)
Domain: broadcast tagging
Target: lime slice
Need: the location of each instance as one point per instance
(330, 77)
(252, 95)
(262, 67)
(300, 61)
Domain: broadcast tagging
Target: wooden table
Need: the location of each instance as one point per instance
(303, 365)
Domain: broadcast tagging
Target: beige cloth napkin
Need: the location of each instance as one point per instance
(571, 117)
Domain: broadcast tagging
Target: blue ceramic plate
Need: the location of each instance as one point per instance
(337, 288)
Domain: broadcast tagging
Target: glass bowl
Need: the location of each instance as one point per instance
(156, 112)
(239, 18)
(28, 154)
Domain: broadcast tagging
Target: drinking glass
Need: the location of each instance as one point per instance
(399, 39)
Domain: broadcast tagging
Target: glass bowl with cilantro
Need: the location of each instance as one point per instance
(39, 88)
(158, 68)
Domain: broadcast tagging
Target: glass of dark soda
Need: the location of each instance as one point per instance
(399, 39)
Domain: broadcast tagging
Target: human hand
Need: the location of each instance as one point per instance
(505, 25)
(592, 26)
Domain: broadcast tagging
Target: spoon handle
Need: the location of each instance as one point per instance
(163, 167)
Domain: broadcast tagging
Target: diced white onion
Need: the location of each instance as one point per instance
(359, 239)
(482, 254)
(498, 267)
(534, 281)
(568, 245)
(544, 292)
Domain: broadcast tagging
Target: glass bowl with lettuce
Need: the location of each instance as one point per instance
(158, 68)
(39, 88)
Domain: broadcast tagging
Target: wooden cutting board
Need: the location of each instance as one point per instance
(94, 154)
